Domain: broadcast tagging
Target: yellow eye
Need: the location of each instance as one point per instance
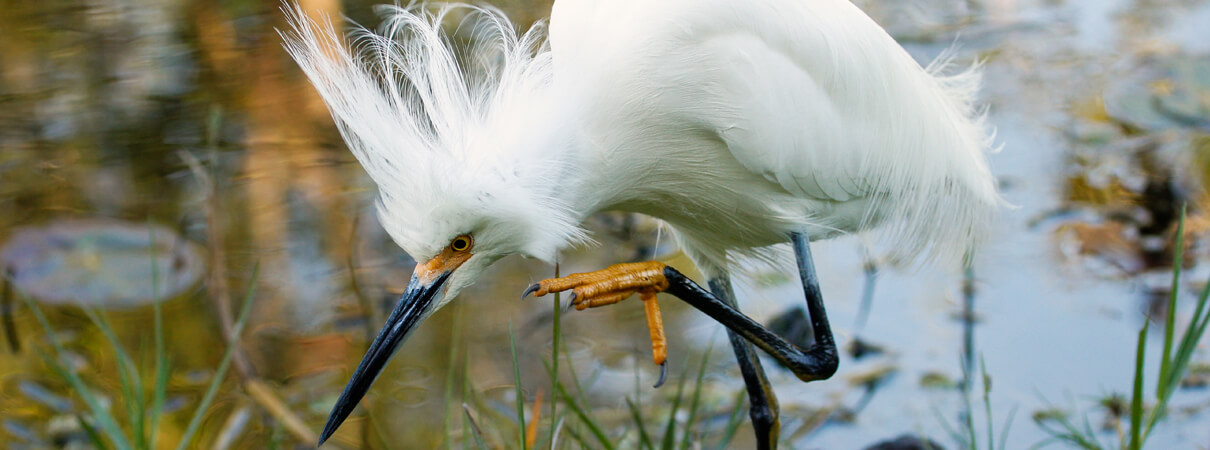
(461, 243)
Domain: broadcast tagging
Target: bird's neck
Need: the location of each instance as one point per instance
(587, 181)
(545, 157)
(574, 163)
(576, 183)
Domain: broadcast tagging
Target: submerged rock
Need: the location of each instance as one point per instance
(907, 442)
(101, 263)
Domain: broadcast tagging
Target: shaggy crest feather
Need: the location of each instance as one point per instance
(444, 134)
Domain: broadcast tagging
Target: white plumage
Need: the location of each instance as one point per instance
(734, 122)
(790, 113)
(739, 124)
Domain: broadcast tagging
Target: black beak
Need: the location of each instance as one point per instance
(411, 307)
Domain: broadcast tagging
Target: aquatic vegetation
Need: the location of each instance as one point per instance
(143, 411)
(966, 436)
(1175, 358)
(572, 420)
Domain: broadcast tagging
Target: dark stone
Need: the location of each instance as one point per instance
(907, 442)
(793, 325)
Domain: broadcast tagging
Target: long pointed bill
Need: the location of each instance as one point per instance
(412, 306)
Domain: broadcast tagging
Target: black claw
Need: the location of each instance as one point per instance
(531, 289)
(571, 302)
(663, 375)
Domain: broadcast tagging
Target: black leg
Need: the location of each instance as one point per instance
(763, 403)
(817, 361)
(823, 343)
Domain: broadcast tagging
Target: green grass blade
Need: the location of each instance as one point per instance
(476, 432)
(1161, 382)
(163, 369)
(968, 420)
(583, 415)
(128, 378)
(1076, 437)
(1194, 333)
(1068, 433)
(557, 425)
(575, 379)
(92, 433)
(1092, 435)
(987, 403)
(221, 373)
(6, 311)
(276, 437)
(466, 426)
(1192, 336)
(1045, 442)
(1201, 331)
(451, 374)
(635, 405)
(669, 440)
(512, 344)
(949, 429)
(103, 417)
(467, 391)
(697, 397)
(1008, 424)
(557, 335)
(644, 438)
(1136, 399)
(733, 422)
(161, 357)
(571, 431)
(364, 302)
(124, 364)
(1180, 361)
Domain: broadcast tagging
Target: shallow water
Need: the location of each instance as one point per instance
(99, 98)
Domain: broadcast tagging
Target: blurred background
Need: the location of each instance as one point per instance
(165, 169)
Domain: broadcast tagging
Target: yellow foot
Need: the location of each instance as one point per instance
(612, 285)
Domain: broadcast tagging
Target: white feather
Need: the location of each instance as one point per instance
(813, 97)
(455, 144)
(735, 122)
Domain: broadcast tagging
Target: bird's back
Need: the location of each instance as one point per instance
(812, 98)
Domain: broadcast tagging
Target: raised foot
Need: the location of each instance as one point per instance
(612, 285)
(605, 287)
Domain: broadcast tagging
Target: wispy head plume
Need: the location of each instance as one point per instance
(440, 119)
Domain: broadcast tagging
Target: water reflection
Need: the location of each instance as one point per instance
(99, 98)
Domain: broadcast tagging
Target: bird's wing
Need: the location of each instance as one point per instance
(781, 120)
(812, 95)
(820, 99)
(801, 92)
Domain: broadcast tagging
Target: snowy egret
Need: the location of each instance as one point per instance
(741, 125)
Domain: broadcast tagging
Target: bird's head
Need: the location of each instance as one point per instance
(455, 142)
(458, 217)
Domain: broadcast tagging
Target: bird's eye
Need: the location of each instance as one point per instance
(461, 243)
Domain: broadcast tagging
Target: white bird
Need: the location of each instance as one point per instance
(741, 125)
